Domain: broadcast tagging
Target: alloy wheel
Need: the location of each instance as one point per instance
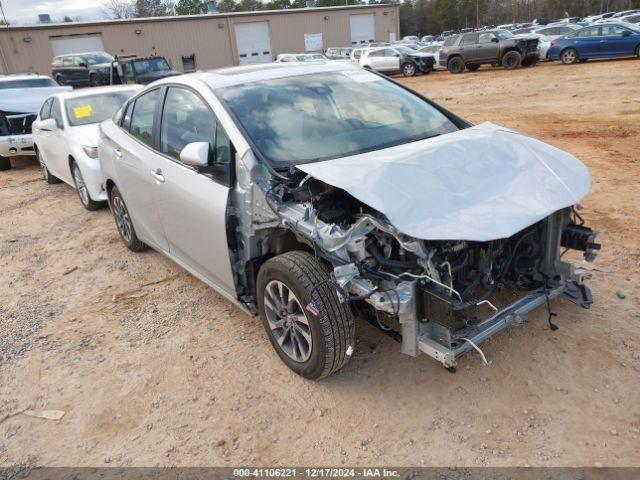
(287, 321)
(123, 221)
(569, 56)
(83, 193)
(43, 167)
(409, 70)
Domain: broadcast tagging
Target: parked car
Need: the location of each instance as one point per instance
(496, 47)
(544, 43)
(427, 39)
(338, 53)
(542, 21)
(595, 18)
(356, 54)
(618, 16)
(82, 69)
(300, 57)
(507, 26)
(635, 18)
(597, 41)
(397, 58)
(21, 97)
(411, 38)
(65, 137)
(143, 70)
(303, 194)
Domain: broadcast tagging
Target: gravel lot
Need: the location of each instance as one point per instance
(153, 368)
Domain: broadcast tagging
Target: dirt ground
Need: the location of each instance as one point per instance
(151, 367)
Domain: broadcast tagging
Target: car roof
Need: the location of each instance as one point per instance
(230, 76)
(22, 76)
(87, 92)
(79, 54)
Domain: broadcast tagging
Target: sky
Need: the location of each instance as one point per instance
(26, 11)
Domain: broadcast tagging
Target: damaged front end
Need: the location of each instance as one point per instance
(441, 298)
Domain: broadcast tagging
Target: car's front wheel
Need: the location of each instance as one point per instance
(455, 65)
(569, 56)
(309, 327)
(83, 191)
(46, 174)
(511, 60)
(408, 69)
(5, 163)
(124, 223)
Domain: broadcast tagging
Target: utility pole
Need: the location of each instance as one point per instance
(477, 13)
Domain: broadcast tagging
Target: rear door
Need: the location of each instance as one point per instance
(488, 48)
(132, 149)
(192, 203)
(587, 42)
(57, 157)
(470, 47)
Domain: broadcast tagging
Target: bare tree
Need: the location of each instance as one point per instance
(118, 9)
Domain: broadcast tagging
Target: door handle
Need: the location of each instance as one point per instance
(118, 152)
(157, 174)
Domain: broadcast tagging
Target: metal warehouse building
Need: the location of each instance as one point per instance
(200, 41)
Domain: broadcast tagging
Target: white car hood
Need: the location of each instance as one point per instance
(87, 134)
(27, 100)
(478, 184)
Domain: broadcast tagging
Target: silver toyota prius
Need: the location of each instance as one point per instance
(310, 194)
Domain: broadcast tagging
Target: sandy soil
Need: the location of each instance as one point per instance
(154, 368)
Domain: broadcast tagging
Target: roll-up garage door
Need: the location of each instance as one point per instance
(77, 44)
(253, 42)
(363, 28)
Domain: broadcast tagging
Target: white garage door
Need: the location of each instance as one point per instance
(253, 42)
(77, 44)
(363, 28)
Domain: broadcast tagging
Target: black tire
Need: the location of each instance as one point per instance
(46, 174)
(5, 164)
(81, 188)
(408, 69)
(94, 81)
(511, 60)
(530, 62)
(330, 322)
(472, 67)
(569, 56)
(583, 60)
(124, 223)
(638, 51)
(455, 65)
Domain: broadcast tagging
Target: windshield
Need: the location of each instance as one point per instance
(504, 34)
(328, 115)
(28, 83)
(95, 58)
(404, 50)
(95, 108)
(150, 65)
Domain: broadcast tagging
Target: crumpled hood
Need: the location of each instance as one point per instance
(478, 184)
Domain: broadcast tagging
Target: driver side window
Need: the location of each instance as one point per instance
(486, 37)
(56, 113)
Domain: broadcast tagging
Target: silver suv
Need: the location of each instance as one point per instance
(314, 193)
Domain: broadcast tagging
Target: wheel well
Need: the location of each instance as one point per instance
(512, 49)
(71, 161)
(109, 184)
(455, 55)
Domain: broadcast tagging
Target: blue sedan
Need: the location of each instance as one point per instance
(605, 40)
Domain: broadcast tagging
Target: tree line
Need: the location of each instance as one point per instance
(417, 17)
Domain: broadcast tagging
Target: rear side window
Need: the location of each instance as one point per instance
(57, 62)
(588, 32)
(451, 40)
(185, 119)
(67, 61)
(469, 39)
(141, 123)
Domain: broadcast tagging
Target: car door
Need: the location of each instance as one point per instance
(470, 48)
(488, 47)
(81, 71)
(193, 202)
(67, 71)
(133, 153)
(615, 42)
(587, 42)
(391, 59)
(56, 155)
(41, 137)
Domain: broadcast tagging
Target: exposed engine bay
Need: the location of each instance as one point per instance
(439, 297)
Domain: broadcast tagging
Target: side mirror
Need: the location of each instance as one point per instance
(48, 125)
(626, 33)
(495, 40)
(195, 154)
(83, 64)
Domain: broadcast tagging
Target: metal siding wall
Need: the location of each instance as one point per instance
(213, 46)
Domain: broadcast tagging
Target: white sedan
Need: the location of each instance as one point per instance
(65, 137)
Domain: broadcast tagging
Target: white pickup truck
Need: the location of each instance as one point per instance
(21, 97)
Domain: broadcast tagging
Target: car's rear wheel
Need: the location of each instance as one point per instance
(5, 163)
(472, 67)
(569, 56)
(124, 223)
(408, 69)
(530, 62)
(83, 191)
(511, 60)
(638, 51)
(311, 330)
(46, 174)
(455, 65)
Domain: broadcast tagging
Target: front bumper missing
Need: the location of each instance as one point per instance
(438, 341)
